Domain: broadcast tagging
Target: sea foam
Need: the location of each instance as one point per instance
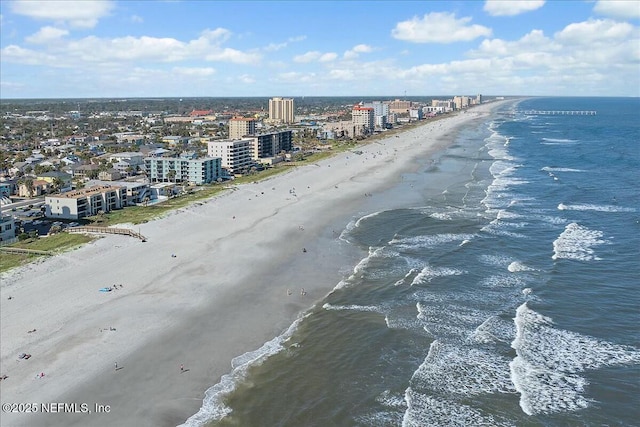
(576, 242)
(546, 370)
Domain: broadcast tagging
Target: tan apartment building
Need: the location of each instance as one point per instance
(400, 107)
(363, 119)
(240, 127)
(281, 110)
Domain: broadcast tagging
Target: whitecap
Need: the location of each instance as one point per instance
(428, 273)
(559, 140)
(597, 208)
(424, 410)
(460, 370)
(576, 242)
(557, 169)
(517, 266)
(353, 307)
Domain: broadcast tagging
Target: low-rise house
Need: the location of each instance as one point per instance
(70, 160)
(84, 171)
(57, 177)
(86, 202)
(109, 175)
(153, 151)
(162, 190)
(6, 188)
(33, 188)
(175, 140)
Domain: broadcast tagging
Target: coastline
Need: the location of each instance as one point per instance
(224, 294)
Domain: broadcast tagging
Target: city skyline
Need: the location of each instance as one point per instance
(59, 49)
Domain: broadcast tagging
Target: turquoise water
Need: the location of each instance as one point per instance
(508, 296)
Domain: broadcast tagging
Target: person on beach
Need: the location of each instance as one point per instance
(181, 368)
(116, 365)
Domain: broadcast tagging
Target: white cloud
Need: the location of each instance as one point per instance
(511, 7)
(46, 35)
(17, 54)
(233, 55)
(137, 19)
(195, 71)
(103, 51)
(314, 55)
(438, 27)
(328, 57)
(307, 57)
(272, 47)
(219, 35)
(618, 8)
(246, 79)
(596, 31)
(357, 50)
(295, 77)
(343, 74)
(83, 14)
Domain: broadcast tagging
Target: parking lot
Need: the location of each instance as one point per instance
(32, 219)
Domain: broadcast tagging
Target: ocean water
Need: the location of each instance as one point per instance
(511, 298)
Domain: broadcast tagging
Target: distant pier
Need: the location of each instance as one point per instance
(561, 112)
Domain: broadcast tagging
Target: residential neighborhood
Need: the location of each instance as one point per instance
(72, 159)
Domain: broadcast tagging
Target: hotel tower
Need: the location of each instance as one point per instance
(281, 110)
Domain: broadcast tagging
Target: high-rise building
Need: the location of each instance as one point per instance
(363, 119)
(272, 143)
(241, 126)
(281, 110)
(380, 111)
(236, 156)
(399, 106)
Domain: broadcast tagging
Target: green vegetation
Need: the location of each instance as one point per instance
(56, 243)
(142, 214)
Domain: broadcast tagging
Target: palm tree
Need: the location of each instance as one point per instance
(28, 183)
(172, 175)
(57, 183)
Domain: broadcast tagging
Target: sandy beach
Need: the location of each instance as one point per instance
(145, 353)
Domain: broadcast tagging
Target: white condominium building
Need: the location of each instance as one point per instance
(237, 155)
(281, 110)
(183, 169)
(85, 202)
(240, 127)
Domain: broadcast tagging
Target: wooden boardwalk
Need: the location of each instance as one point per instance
(106, 230)
(24, 251)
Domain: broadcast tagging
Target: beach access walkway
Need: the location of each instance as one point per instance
(107, 230)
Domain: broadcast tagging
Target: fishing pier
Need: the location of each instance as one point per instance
(560, 113)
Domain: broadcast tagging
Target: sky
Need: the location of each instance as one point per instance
(164, 48)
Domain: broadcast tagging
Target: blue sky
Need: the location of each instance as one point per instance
(84, 48)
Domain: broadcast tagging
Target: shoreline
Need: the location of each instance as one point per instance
(225, 293)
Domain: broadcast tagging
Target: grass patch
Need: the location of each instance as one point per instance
(142, 214)
(56, 243)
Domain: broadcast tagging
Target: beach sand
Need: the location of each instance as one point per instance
(235, 283)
